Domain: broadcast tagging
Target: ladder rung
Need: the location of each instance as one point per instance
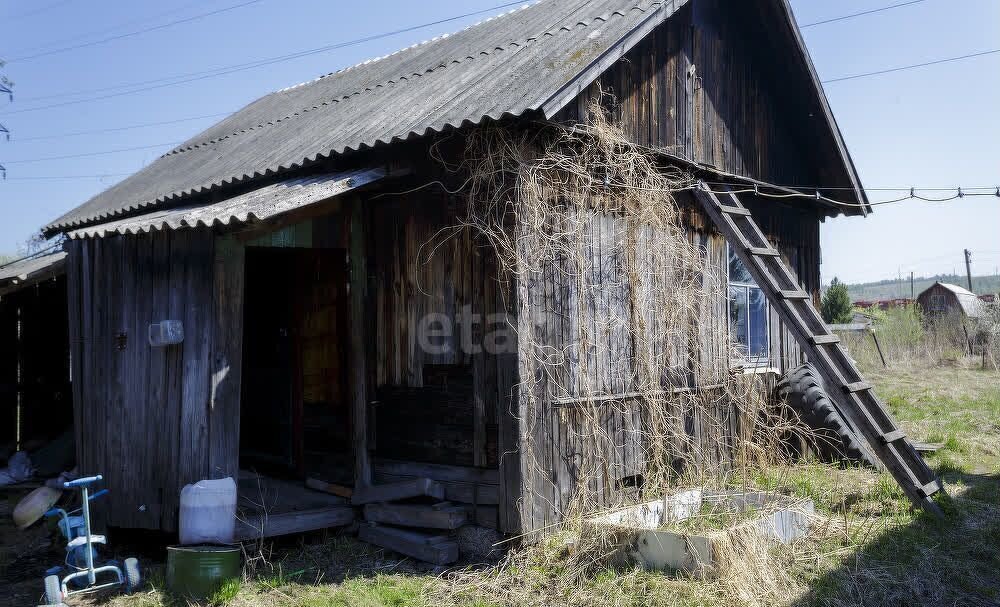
(794, 295)
(858, 386)
(893, 436)
(734, 210)
(822, 340)
(931, 488)
(764, 252)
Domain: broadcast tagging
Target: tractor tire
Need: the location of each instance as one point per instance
(802, 388)
(133, 580)
(53, 590)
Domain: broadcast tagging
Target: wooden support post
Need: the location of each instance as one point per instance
(358, 356)
(878, 347)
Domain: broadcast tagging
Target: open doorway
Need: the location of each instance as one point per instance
(295, 419)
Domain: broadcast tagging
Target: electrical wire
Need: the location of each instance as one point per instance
(55, 177)
(133, 33)
(120, 128)
(84, 154)
(912, 66)
(34, 11)
(106, 30)
(862, 13)
(159, 83)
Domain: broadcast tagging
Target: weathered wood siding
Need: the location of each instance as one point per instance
(153, 419)
(433, 297)
(705, 85)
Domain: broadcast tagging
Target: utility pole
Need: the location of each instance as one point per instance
(968, 267)
(911, 285)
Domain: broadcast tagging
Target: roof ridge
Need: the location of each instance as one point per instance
(639, 5)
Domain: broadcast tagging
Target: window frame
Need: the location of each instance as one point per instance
(746, 359)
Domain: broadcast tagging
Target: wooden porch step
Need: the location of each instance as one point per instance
(439, 516)
(390, 492)
(258, 526)
(436, 549)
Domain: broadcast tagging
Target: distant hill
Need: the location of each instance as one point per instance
(887, 289)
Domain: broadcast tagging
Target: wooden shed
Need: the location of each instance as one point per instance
(297, 243)
(944, 299)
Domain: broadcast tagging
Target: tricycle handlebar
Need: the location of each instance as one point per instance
(80, 482)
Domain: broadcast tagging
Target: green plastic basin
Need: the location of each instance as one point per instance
(198, 571)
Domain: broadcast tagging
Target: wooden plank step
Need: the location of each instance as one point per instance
(272, 525)
(857, 386)
(794, 295)
(764, 252)
(734, 210)
(439, 516)
(389, 492)
(436, 549)
(824, 340)
(331, 488)
(893, 436)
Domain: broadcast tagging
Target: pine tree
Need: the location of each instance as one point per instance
(836, 305)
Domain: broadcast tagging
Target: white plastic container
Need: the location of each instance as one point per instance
(208, 512)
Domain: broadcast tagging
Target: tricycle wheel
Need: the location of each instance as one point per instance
(53, 590)
(132, 578)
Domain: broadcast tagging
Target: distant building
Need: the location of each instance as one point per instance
(942, 299)
(883, 304)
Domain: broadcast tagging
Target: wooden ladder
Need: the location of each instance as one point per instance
(853, 397)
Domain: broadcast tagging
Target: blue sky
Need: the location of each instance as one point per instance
(935, 126)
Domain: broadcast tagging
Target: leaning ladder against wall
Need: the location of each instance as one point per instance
(852, 395)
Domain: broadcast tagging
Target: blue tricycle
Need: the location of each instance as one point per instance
(81, 552)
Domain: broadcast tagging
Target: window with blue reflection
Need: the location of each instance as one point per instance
(747, 313)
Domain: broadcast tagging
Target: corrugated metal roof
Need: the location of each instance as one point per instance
(256, 205)
(26, 270)
(532, 58)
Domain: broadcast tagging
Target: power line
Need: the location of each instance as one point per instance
(107, 30)
(120, 128)
(134, 33)
(913, 66)
(222, 71)
(68, 156)
(35, 11)
(54, 177)
(862, 13)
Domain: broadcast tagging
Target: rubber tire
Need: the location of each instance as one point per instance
(802, 388)
(53, 590)
(133, 580)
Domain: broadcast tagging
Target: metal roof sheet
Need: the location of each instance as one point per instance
(24, 270)
(532, 58)
(256, 205)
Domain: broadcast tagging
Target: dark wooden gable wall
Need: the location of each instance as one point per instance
(710, 84)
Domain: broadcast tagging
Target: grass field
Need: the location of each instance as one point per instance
(869, 547)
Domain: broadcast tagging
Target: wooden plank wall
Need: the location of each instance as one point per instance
(145, 415)
(703, 86)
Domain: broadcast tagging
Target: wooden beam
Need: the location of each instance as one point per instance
(396, 491)
(358, 356)
(272, 525)
(435, 549)
(440, 516)
(331, 488)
